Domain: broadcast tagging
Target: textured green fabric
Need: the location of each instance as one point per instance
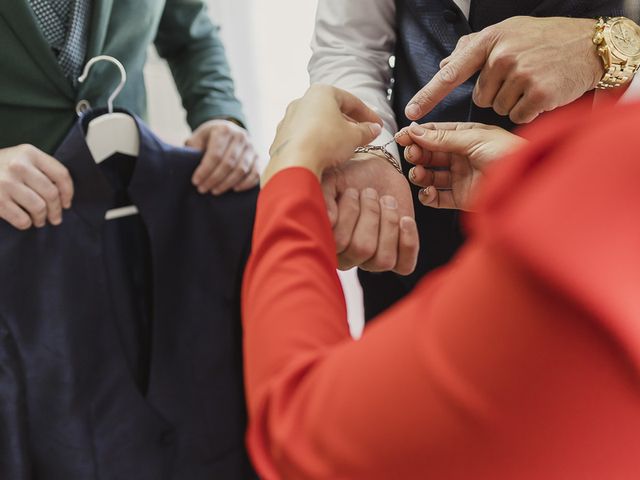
(37, 102)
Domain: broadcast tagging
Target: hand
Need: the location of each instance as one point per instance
(527, 66)
(229, 161)
(320, 130)
(451, 159)
(375, 236)
(34, 187)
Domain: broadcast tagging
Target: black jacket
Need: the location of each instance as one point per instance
(120, 341)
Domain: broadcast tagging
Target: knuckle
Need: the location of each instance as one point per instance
(363, 249)
(386, 261)
(17, 166)
(50, 194)
(537, 94)
(505, 61)
(449, 74)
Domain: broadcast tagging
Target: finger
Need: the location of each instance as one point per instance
(251, 180)
(487, 87)
(423, 177)
(461, 45)
(238, 173)
(58, 174)
(47, 190)
(417, 155)
(426, 158)
(214, 149)
(355, 108)
(348, 212)
(226, 164)
(449, 141)
(408, 247)
(31, 202)
(526, 110)
(508, 96)
(13, 214)
(459, 69)
(365, 133)
(386, 254)
(434, 198)
(330, 192)
(198, 139)
(364, 241)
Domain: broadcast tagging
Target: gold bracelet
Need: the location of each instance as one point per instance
(375, 149)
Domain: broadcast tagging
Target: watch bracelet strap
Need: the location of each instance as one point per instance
(616, 76)
(382, 152)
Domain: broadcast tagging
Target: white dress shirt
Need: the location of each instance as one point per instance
(352, 45)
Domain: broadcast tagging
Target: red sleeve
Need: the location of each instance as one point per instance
(481, 373)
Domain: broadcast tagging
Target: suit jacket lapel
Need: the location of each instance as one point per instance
(99, 23)
(21, 20)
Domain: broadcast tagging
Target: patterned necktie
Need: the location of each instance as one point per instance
(65, 25)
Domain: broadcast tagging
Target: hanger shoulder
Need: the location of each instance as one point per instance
(113, 133)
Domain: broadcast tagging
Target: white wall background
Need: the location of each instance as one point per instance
(268, 48)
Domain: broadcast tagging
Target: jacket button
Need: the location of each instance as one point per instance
(167, 438)
(451, 16)
(82, 106)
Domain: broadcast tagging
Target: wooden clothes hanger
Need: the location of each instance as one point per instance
(112, 132)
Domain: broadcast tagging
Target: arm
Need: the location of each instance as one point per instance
(437, 387)
(527, 66)
(191, 45)
(483, 371)
(351, 45)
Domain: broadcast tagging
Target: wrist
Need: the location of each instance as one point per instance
(288, 156)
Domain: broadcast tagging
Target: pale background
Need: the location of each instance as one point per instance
(268, 48)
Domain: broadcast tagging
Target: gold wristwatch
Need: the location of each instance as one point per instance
(618, 43)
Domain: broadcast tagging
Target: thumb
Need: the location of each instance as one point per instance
(460, 142)
(197, 140)
(366, 132)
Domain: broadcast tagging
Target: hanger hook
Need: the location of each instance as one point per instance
(123, 76)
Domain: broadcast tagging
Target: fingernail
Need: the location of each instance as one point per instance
(417, 130)
(352, 193)
(408, 152)
(389, 202)
(201, 190)
(56, 221)
(407, 223)
(412, 174)
(424, 194)
(413, 111)
(370, 193)
(375, 129)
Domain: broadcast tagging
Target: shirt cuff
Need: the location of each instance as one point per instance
(385, 137)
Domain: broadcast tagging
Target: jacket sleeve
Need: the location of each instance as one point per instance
(480, 373)
(191, 44)
(14, 462)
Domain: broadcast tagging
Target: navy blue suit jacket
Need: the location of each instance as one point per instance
(73, 404)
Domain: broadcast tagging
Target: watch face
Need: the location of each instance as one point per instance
(625, 37)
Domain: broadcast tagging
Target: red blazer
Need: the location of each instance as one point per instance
(519, 360)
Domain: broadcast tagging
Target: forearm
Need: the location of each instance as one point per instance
(351, 45)
(190, 43)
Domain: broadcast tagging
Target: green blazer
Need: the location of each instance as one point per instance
(38, 103)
